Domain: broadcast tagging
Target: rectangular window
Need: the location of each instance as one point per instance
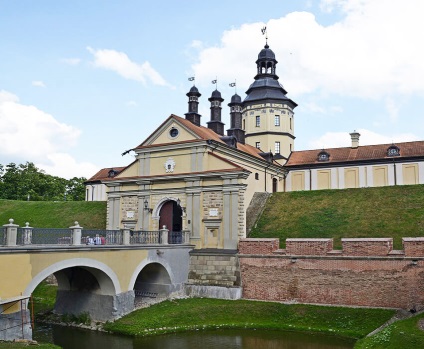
(277, 147)
(277, 120)
(258, 145)
(290, 123)
(258, 121)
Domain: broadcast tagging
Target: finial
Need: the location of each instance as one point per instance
(11, 220)
(192, 78)
(264, 32)
(27, 224)
(233, 84)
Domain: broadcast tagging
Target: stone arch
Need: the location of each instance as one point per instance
(158, 206)
(149, 261)
(105, 276)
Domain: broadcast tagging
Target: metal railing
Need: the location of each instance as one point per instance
(176, 237)
(145, 237)
(2, 236)
(101, 237)
(44, 236)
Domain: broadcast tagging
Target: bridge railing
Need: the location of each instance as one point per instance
(145, 237)
(44, 236)
(101, 237)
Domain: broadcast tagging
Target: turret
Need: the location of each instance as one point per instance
(193, 106)
(216, 124)
(236, 119)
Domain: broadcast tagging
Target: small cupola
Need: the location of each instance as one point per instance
(354, 136)
(215, 123)
(193, 106)
(236, 119)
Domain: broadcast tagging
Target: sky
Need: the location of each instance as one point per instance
(83, 81)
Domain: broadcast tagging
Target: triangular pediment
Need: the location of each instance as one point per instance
(172, 130)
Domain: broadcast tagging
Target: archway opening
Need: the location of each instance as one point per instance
(152, 282)
(171, 216)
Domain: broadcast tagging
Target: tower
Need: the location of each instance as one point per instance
(193, 106)
(216, 124)
(236, 119)
(268, 116)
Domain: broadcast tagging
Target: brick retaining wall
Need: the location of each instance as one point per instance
(366, 272)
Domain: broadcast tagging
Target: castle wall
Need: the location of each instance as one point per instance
(366, 272)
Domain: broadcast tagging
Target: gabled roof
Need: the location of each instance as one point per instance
(104, 174)
(201, 133)
(359, 154)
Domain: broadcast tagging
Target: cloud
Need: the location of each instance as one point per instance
(342, 139)
(71, 61)
(30, 134)
(120, 63)
(131, 104)
(38, 83)
(371, 52)
(65, 166)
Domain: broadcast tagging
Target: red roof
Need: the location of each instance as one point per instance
(204, 133)
(361, 153)
(104, 173)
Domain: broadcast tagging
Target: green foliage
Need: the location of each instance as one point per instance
(83, 318)
(367, 212)
(202, 313)
(50, 214)
(16, 345)
(43, 298)
(27, 182)
(404, 334)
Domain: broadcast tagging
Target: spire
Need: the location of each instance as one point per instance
(215, 124)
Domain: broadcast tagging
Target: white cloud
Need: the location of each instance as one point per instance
(71, 61)
(65, 166)
(120, 63)
(131, 104)
(372, 52)
(342, 139)
(38, 83)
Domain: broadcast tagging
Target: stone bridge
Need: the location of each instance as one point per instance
(101, 280)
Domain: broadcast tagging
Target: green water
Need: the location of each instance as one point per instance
(71, 338)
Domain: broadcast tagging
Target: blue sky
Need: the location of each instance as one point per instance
(83, 81)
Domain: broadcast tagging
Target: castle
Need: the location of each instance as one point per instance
(197, 179)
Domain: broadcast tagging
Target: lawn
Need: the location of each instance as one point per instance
(367, 212)
(203, 313)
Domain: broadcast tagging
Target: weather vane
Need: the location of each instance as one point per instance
(233, 84)
(264, 32)
(215, 82)
(191, 79)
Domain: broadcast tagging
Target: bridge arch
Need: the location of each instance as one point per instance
(105, 276)
(154, 273)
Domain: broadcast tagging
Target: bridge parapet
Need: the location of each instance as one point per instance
(13, 235)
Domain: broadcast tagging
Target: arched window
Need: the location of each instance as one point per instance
(393, 150)
(323, 156)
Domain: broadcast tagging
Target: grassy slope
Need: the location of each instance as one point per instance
(367, 212)
(54, 214)
(202, 313)
(403, 334)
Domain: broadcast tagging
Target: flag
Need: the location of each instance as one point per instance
(232, 84)
(263, 30)
(214, 81)
(191, 79)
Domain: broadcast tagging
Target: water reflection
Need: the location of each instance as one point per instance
(69, 338)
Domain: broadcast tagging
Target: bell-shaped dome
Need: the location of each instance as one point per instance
(194, 89)
(216, 94)
(236, 99)
(266, 53)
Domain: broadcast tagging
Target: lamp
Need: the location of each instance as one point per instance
(146, 206)
(179, 205)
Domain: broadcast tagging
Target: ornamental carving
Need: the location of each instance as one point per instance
(169, 165)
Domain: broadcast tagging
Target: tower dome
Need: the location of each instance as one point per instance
(266, 53)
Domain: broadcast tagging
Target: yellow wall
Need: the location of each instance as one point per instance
(324, 179)
(297, 180)
(164, 137)
(351, 177)
(379, 176)
(410, 173)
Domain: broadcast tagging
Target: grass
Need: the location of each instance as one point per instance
(43, 298)
(17, 345)
(202, 313)
(403, 334)
(54, 214)
(367, 212)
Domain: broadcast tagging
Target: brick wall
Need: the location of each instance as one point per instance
(366, 273)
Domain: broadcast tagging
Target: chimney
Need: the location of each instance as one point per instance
(355, 139)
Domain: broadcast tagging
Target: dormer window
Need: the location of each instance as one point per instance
(393, 150)
(323, 156)
(112, 173)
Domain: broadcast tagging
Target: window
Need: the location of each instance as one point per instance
(258, 121)
(258, 145)
(393, 150)
(277, 120)
(173, 132)
(290, 123)
(244, 124)
(277, 147)
(257, 176)
(323, 156)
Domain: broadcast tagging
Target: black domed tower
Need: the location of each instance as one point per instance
(267, 111)
(193, 106)
(216, 124)
(236, 119)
